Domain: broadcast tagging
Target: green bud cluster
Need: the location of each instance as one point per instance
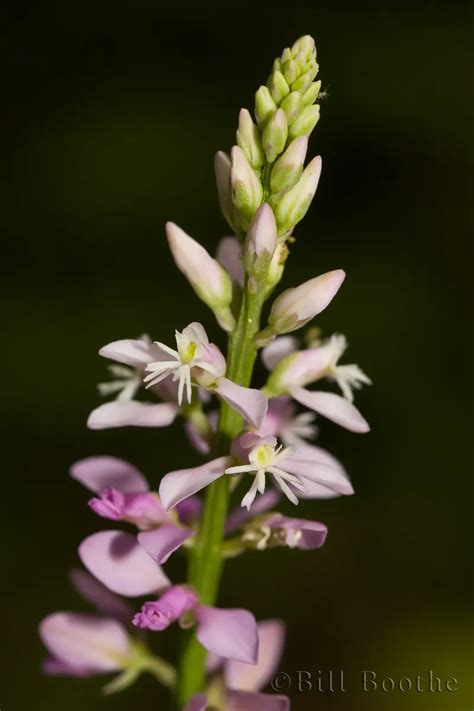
(267, 163)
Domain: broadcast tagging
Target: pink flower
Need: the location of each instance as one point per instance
(294, 370)
(126, 498)
(198, 362)
(244, 681)
(228, 633)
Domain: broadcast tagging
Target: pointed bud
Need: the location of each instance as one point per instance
(209, 280)
(278, 86)
(277, 266)
(222, 171)
(294, 204)
(291, 70)
(288, 168)
(295, 307)
(274, 135)
(248, 138)
(292, 105)
(304, 82)
(261, 241)
(246, 188)
(304, 46)
(264, 105)
(305, 122)
(311, 94)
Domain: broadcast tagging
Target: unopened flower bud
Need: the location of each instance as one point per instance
(209, 280)
(288, 168)
(222, 169)
(248, 138)
(304, 47)
(278, 86)
(291, 70)
(305, 122)
(261, 241)
(274, 135)
(294, 204)
(311, 94)
(277, 266)
(304, 81)
(291, 105)
(246, 188)
(264, 105)
(295, 307)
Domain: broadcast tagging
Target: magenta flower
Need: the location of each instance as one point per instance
(231, 633)
(132, 356)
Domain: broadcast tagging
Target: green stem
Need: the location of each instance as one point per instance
(206, 560)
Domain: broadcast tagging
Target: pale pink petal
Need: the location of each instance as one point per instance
(99, 473)
(161, 542)
(197, 703)
(307, 300)
(231, 634)
(253, 677)
(134, 352)
(250, 701)
(131, 413)
(229, 254)
(299, 532)
(178, 485)
(105, 601)
(318, 473)
(250, 403)
(55, 667)
(121, 564)
(86, 641)
(334, 407)
(277, 350)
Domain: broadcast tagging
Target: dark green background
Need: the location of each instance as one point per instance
(112, 117)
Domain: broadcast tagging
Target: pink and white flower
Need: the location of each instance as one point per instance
(196, 361)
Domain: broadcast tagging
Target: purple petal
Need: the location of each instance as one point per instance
(250, 403)
(99, 473)
(238, 516)
(231, 634)
(334, 407)
(229, 254)
(163, 541)
(121, 564)
(249, 701)
(132, 413)
(197, 703)
(55, 667)
(277, 350)
(159, 614)
(299, 533)
(134, 352)
(178, 485)
(86, 641)
(189, 510)
(252, 677)
(105, 601)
